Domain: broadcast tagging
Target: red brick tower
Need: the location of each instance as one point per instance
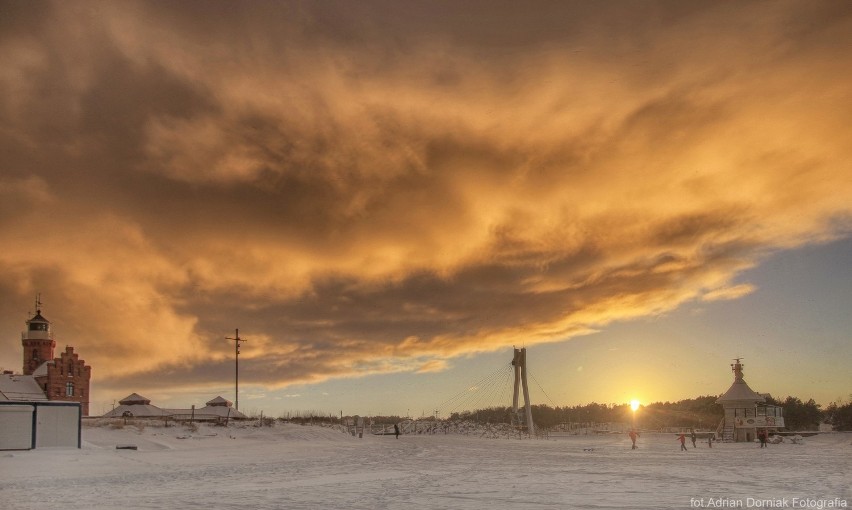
(64, 378)
(38, 343)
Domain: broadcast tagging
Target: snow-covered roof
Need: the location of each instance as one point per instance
(135, 399)
(41, 371)
(136, 411)
(219, 401)
(740, 392)
(20, 388)
(221, 411)
(138, 406)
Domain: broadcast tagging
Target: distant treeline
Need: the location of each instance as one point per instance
(701, 412)
(697, 412)
(839, 415)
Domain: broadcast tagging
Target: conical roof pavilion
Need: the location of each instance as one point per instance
(135, 406)
(134, 399)
(740, 391)
(219, 401)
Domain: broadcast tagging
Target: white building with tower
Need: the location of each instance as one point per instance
(746, 411)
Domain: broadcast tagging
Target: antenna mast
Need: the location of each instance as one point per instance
(236, 338)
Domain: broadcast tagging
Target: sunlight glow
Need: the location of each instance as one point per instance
(634, 404)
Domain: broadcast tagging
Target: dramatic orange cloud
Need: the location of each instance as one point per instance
(372, 188)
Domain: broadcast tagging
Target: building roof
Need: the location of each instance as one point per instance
(221, 411)
(38, 318)
(137, 406)
(219, 401)
(23, 388)
(136, 411)
(135, 399)
(41, 371)
(740, 392)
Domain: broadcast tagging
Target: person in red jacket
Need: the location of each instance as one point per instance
(682, 439)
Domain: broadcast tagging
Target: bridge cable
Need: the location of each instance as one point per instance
(472, 391)
(465, 392)
(542, 389)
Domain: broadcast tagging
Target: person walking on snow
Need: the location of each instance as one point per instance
(396, 430)
(682, 439)
(693, 437)
(633, 435)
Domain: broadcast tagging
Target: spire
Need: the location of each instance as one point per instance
(737, 368)
(740, 391)
(38, 327)
(37, 340)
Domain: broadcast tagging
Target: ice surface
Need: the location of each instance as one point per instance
(292, 466)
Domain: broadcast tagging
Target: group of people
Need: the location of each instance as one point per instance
(762, 436)
(682, 438)
(693, 437)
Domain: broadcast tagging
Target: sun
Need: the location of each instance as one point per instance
(634, 404)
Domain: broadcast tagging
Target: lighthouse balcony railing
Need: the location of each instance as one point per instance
(37, 335)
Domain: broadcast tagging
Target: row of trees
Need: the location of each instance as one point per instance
(700, 412)
(799, 415)
(839, 415)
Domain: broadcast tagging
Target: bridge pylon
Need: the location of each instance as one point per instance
(520, 364)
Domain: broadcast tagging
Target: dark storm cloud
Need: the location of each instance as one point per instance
(380, 186)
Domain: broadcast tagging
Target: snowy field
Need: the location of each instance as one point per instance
(292, 466)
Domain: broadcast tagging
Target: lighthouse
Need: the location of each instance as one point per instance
(38, 342)
(65, 377)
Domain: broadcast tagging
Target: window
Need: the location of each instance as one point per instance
(69, 389)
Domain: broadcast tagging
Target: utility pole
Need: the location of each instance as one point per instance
(236, 338)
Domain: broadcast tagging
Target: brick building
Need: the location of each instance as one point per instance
(64, 378)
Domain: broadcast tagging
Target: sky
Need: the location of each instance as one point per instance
(386, 197)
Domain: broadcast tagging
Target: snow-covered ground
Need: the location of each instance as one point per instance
(292, 466)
